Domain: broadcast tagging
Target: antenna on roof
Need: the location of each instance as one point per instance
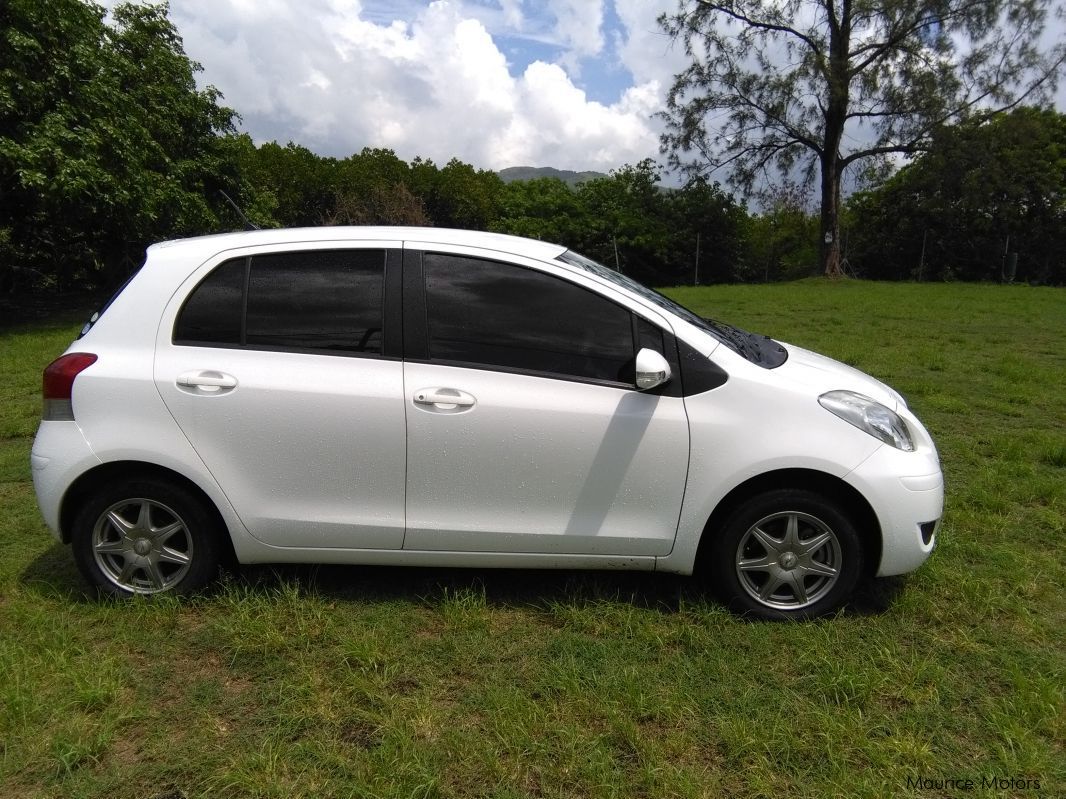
(248, 225)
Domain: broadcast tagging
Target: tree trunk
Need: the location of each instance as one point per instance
(830, 227)
(836, 112)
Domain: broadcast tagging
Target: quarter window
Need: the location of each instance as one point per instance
(314, 300)
(212, 314)
(493, 314)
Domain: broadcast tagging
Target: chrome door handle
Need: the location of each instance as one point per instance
(445, 398)
(207, 382)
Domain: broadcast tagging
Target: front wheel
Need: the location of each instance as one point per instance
(146, 536)
(786, 554)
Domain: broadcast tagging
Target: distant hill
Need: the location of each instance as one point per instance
(513, 173)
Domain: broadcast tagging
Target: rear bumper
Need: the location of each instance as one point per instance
(60, 454)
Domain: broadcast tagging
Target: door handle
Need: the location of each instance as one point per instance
(207, 382)
(444, 398)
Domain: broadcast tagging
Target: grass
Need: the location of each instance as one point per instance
(364, 682)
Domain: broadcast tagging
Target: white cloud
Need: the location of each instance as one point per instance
(337, 76)
(512, 13)
(578, 28)
(643, 48)
(558, 121)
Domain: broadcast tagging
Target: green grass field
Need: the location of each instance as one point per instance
(362, 682)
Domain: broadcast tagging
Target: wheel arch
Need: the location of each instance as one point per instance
(832, 488)
(105, 473)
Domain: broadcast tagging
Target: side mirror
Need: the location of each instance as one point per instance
(652, 370)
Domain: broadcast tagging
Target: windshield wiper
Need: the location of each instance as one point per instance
(740, 339)
(760, 350)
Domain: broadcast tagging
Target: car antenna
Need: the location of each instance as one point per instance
(248, 224)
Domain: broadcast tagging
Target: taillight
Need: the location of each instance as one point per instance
(58, 385)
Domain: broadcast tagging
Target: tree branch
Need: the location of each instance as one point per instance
(729, 11)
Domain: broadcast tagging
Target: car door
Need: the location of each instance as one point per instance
(524, 430)
(281, 369)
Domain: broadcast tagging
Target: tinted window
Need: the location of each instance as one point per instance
(317, 300)
(760, 350)
(325, 300)
(650, 336)
(212, 314)
(483, 312)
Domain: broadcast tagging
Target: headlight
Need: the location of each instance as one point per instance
(869, 415)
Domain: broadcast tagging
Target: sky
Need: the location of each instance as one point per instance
(572, 84)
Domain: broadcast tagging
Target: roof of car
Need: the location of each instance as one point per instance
(207, 245)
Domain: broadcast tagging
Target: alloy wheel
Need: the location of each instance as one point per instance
(788, 560)
(142, 546)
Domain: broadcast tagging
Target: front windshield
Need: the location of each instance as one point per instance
(761, 350)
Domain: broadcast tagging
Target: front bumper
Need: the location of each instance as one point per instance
(906, 492)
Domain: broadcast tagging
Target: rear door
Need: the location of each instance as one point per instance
(283, 370)
(525, 431)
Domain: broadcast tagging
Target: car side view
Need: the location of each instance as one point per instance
(440, 397)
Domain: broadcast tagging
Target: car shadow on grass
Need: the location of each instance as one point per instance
(667, 593)
(53, 575)
(499, 587)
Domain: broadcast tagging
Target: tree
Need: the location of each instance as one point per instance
(380, 205)
(175, 160)
(54, 97)
(106, 143)
(629, 222)
(542, 208)
(628, 228)
(782, 241)
(980, 193)
(370, 188)
(296, 181)
(464, 197)
(705, 221)
(821, 86)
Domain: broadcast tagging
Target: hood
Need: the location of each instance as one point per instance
(824, 374)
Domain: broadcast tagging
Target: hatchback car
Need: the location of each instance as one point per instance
(442, 397)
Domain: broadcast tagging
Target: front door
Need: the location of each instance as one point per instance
(524, 430)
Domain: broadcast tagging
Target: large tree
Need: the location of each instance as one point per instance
(814, 87)
(106, 143)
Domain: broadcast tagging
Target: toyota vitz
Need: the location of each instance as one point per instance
(427, 397)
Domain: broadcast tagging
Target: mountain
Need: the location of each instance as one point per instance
(568, 176)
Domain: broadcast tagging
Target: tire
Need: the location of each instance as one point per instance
(146, 536)
(786, 554)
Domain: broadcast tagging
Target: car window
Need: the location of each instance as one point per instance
(317, 300)
(314, 300)
(212, 314)
(493, 314)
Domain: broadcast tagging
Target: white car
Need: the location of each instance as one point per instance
(422, 397)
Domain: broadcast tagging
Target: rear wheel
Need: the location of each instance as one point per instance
(146, 536)
(787, 554)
